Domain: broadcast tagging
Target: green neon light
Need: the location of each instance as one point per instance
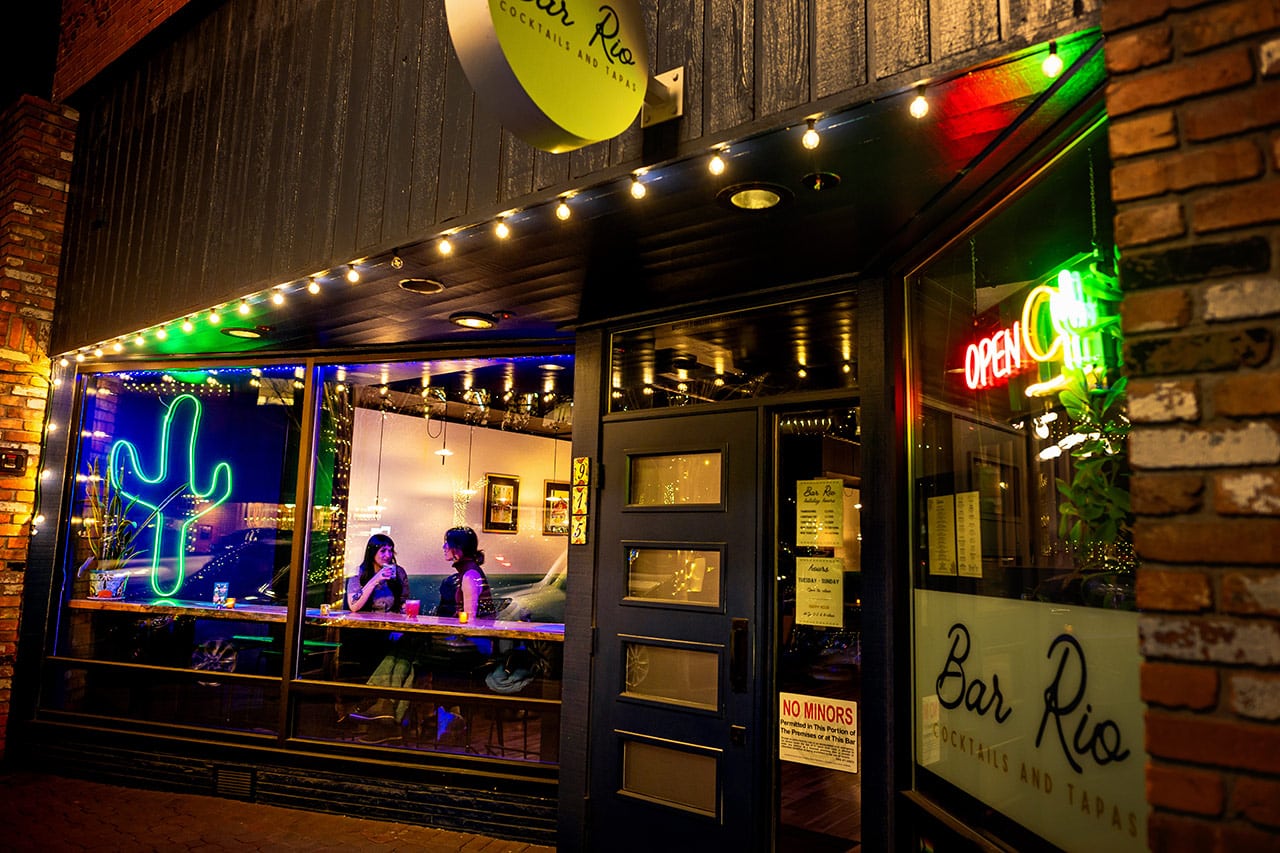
(1073, 317)
(167, 484)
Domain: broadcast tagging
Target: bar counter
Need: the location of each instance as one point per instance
(548, 631)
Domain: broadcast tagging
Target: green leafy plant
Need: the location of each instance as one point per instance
(1094, 512)
(110, 531)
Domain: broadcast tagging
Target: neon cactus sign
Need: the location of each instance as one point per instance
(174, 473)
(1070, 318)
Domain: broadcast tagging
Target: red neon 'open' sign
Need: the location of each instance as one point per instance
(994, 358)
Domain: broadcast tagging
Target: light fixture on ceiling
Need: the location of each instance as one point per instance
(353, 274)
(161, 333)
(244, 308)
(811, 139)
(501, 229)
(423, 286)
(215, 318)
(563, 211)
(754, 196)
(251, 333)
(919, 104)
(716, 164)
(188, 326)
(1052, 65)
(818, 181)
(473, 320)
(638, 190)
(397, 262)
(314, 286)
(444, 246)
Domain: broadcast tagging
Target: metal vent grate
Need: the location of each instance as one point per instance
(233, 782)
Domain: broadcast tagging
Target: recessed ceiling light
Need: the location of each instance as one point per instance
(473, 320)
(754, 196)
(820, 181)
(424, 286)
(242, 332)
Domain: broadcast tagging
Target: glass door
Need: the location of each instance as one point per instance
(817, 685)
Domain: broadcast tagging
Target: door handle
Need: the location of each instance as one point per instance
(739, 655)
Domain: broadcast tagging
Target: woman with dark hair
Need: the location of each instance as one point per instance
(380, 583)
(471, 594)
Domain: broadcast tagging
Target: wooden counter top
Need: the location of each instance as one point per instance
(549, 631)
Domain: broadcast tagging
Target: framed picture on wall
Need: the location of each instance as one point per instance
(501, 503)
(555, 508)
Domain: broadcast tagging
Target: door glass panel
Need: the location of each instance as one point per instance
(674, 575)
(680, 479)
(673, 776)
(665, 674)
(819, 580)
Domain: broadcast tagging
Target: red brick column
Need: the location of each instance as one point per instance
(35, 166)
(1194, 98)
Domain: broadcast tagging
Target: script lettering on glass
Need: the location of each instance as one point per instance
(1103, 741)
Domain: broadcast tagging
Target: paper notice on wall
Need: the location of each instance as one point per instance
(817, 731)
(820, 592)
(968, 535)
(819, 513)
(942, 535)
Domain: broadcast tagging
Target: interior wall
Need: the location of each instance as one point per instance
(420, 494)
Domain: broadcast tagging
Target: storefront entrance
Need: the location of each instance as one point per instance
(676, 708)
(726, 683)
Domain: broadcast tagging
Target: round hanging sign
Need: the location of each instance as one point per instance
(560, 74)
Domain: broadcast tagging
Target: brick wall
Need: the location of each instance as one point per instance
(1194, 100)
(94, 33)
(36, 142)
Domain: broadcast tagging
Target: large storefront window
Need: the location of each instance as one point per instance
(185, 603)
(178, 557)
(407, 451)
(1026, 650)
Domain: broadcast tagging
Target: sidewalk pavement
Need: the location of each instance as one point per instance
(43, 812)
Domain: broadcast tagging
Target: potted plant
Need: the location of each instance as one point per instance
(111, 533)
(1094, 515)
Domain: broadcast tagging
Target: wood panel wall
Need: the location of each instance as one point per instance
(274, 138)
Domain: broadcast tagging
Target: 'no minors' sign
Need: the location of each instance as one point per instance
(818, 731)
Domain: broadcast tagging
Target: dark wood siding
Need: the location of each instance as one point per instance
(275, 138)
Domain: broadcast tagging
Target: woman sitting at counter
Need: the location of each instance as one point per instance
(380, 585)
(472, 596)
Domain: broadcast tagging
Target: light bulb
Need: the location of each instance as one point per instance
(314, 286)
(215, 318)
(353, 274)
(716, 165)
(79, 356)
(117, 347)
(277, 298)
(445, 246)
(139, 339)
(64, 362)
(1052, 65)
(97, 353)
(188, 326)
(637, 188)
(244, 308)
(920, 104)
(161, 334)
(811, 139)
(502, 230)
(397, 262)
